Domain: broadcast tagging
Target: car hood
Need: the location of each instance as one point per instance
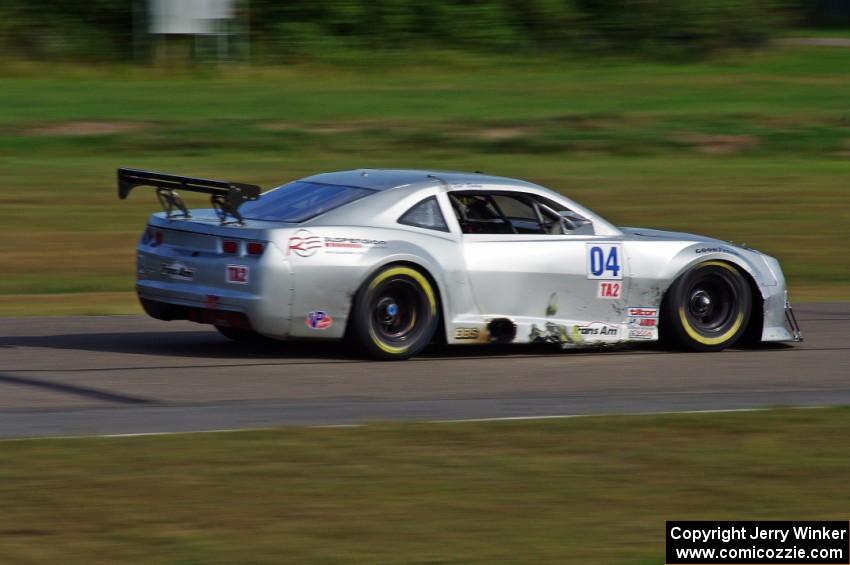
(648, 233)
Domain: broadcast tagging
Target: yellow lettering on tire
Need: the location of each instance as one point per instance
(717, 340)
(423, 284)
(699, 338)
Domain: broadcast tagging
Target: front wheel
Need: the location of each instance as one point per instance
(395, 313)
(707, 308)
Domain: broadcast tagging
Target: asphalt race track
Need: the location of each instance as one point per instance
(131, 374)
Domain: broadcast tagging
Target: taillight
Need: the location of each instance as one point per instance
(157, 237)
(255, 248)
(230, 247)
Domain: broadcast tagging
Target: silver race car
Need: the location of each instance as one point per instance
(394, 259)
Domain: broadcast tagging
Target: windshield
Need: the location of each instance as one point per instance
(299, 201)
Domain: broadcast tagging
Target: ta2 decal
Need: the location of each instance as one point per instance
(237, 274)
(609, 289)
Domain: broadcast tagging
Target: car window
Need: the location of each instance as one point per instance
(512, 207)
(299, 201)
(520, 212)
(478, 213)
(515, 213)
(425, 214)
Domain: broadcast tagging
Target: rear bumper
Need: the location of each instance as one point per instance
(169, 311)
(264, 305)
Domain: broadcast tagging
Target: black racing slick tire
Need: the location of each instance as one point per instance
(395, 313)
(707, 308)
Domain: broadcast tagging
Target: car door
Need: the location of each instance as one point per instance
(521, 266)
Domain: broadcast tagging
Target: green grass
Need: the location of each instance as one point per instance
(439, 86)
(593, 490)
(753, 147)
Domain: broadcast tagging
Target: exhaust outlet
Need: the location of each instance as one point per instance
(502, 330)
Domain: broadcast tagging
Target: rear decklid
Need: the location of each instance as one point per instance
(205, 225)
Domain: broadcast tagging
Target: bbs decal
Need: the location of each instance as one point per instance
(604, 261)
(466, 333)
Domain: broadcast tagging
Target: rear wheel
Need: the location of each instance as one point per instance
(395, 313)
(707, 308)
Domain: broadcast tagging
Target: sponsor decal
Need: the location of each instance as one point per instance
(573, 335)
(604, 261)
(609, 290)
(553, 333)
(237, 274)
(598, 328)
(642, 312)
(304, 244)
(643, 322)
(344, 244)
(351, 244)
(552, 307)
(177, 271)
(715, 250)
(642, 319)
(467, 333)
(641, 333)
(318, 320)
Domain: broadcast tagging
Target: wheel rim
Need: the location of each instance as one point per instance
(396, 309)
(712, 302)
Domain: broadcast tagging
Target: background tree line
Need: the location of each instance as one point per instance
(103, 30)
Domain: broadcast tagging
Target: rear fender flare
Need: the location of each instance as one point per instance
(431, 271)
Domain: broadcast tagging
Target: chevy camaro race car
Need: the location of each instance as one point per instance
(393, 259)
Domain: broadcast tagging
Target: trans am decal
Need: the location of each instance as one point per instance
(597, 329)
(565, 336)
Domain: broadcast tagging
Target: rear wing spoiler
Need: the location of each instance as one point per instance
(226, 197)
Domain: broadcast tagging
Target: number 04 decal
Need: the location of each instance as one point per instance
(604, 261)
